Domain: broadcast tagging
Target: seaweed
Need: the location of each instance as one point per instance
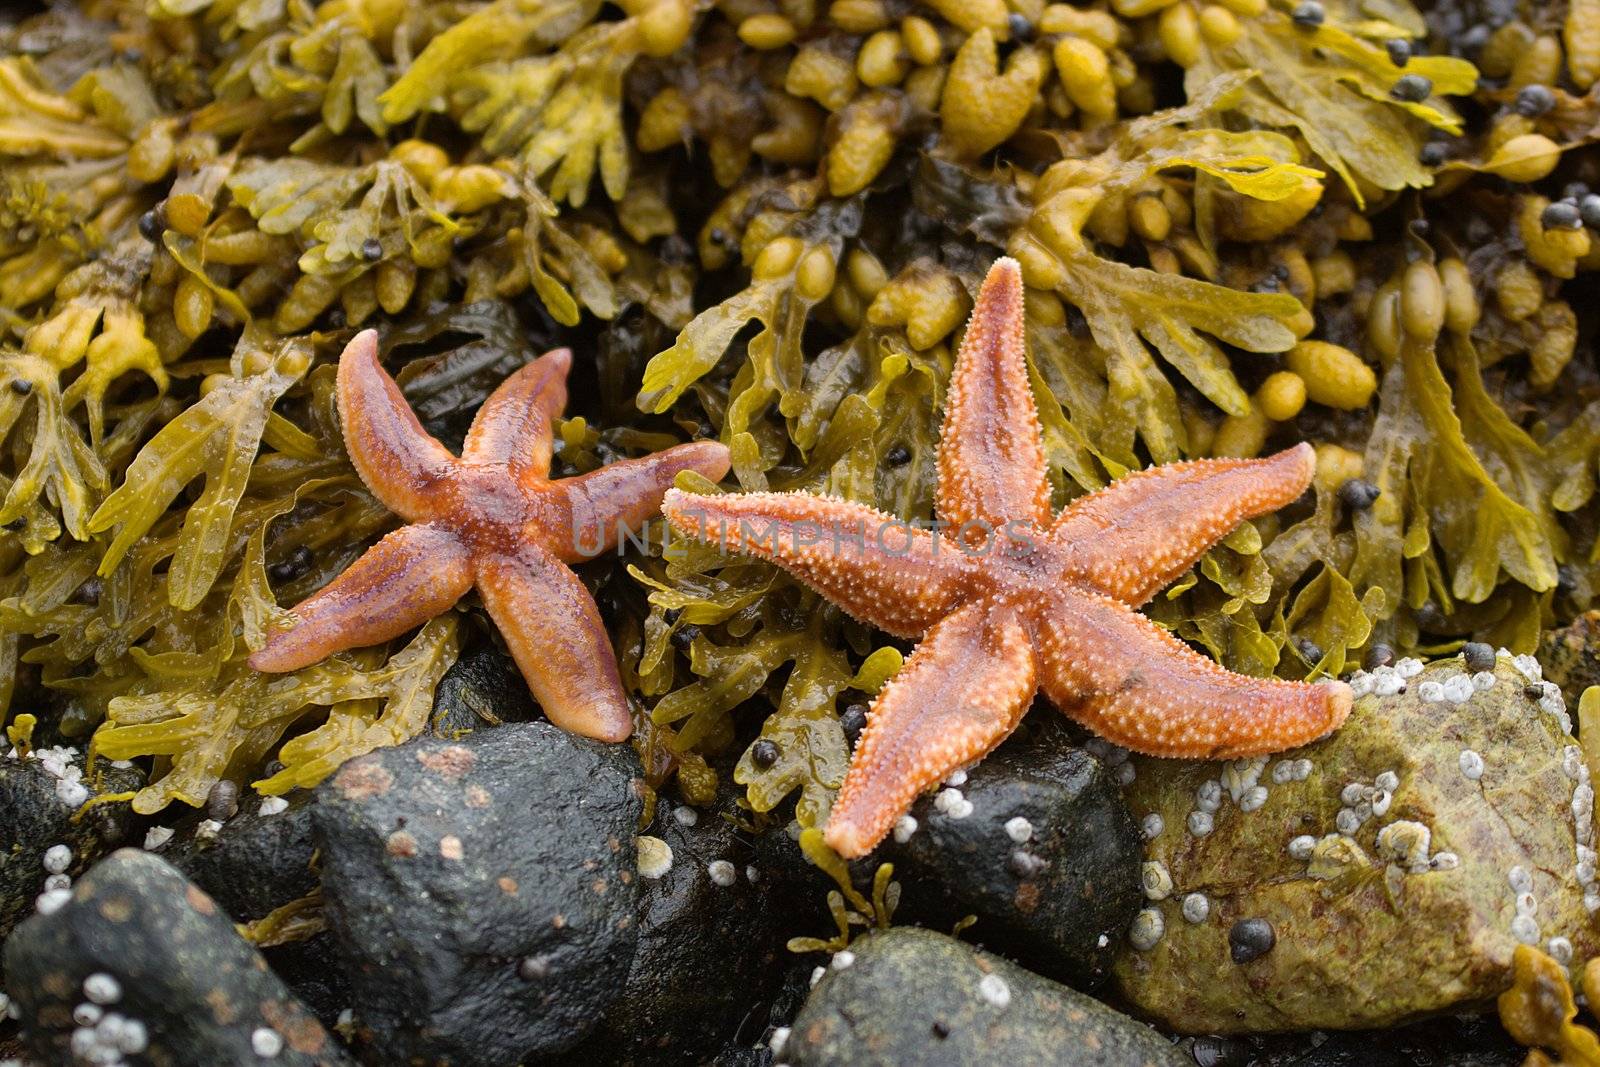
(763, 226)
(1332, 83)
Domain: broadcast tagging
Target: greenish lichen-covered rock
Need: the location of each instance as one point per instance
(1398, 862)
(908, 995)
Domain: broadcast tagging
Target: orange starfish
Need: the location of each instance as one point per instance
(1020, 600)
(494, 519)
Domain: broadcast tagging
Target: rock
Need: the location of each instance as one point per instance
(1464, 1041)
(253, 863)
(483, 891)
(141, 961)
(915, 996)
(259, 861)
(1036, 842)
(1571, 655)
(709, 955)
(1398, 863)
(38, 797)
(483, 687)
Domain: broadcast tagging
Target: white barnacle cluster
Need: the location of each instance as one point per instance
(904, 827)
(1240, 782)
(1385, 681)
(1291, 770)
(60, 764)
(1363, 801)
(1525, 924)
(1547, 695)
(57, 883)
(1402, 843)
(1405, 844)
(951, 802)
(1576, 769)
(1113, 756)
(1456, 687)
(103, 1036)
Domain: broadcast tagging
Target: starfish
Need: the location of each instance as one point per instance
(492, 519)
(1019, 599)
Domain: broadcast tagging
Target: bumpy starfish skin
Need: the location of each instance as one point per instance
(1014, 601)
(494, 519)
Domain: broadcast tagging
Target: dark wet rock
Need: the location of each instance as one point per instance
(315, 970)
(38, 797)
(142, 960)
(259, 861)
(915, 996)
(483, 891)
(709, 955)
(1048, 859)
(253, 863)
(482, 688)
(1453, 1041)
(1571, 655)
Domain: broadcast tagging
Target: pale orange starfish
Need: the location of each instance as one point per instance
(1033, 601)
(494, 519)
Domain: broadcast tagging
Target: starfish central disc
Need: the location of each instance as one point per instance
(493, 519)
(1018, 599)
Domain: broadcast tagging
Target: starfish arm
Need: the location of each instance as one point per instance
(554, 631)
(991, 450)
(1139, 534)
(877, 568)
(1130, 681)
(589, 513)
(513, 427)
(404, 580)
(960, 694)
(397, 459)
